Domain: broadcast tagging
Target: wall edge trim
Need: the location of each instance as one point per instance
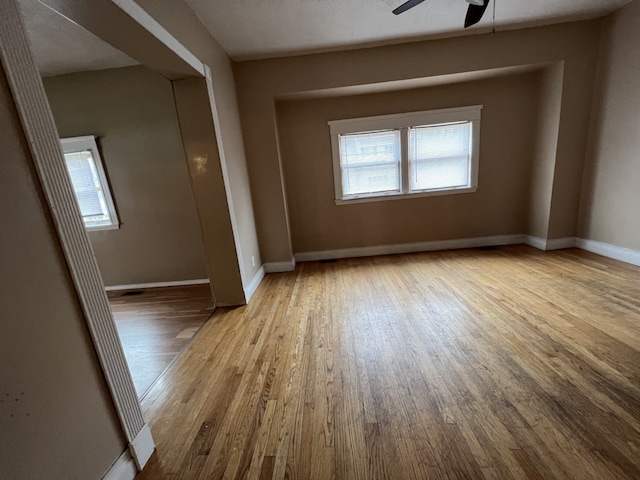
(50, 171)
(142, 447)
(608, 250)
(548, 244)
(176, 283)
(253, 285)
(561, 243)
(124, 468)
(278, 267)
(414, 247)
(622, 254)
(536, 242)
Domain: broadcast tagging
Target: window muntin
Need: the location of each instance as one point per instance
(413, 154)
(89, 182)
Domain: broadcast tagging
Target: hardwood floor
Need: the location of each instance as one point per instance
(155, 324)
(470, 364)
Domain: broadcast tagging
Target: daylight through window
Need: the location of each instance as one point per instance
(89, 183)
(419, 153)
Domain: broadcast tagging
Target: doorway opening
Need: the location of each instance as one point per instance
(151, 256)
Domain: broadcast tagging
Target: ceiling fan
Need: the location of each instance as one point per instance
(474, 12)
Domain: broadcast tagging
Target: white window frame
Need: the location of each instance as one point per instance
(78, 144)
(404, 122)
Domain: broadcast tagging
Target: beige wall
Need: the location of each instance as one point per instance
(181, 22)
(132, 112)
(56, 416)
(193, 100)
(610, 210)
(544, 150)
(260, 83)
(499, 207)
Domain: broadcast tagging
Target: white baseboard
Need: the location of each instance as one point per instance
(177, 283)
(411, 247)
(124, 468)
(253, 284)
(277, 267)
(561, 243)
(536, 242)
(550, 244)
(142, 447)
(623, 254)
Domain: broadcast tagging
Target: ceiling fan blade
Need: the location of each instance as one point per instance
(406, 6)
(475, 13)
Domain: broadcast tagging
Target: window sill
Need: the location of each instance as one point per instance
(96, 228)
(401, 196)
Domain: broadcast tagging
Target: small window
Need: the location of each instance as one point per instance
(90, 183)
(413, 154)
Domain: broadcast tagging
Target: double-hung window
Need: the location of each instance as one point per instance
(414, 154)
(89, 183)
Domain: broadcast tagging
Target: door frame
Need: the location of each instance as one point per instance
(172, 60)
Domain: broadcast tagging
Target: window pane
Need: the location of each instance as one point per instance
(440, 156)
(86, 185)
(370, 162)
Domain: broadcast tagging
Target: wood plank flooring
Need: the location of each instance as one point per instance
(155, 325)
(471, 364)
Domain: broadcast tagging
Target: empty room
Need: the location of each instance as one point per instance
(417, 221)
